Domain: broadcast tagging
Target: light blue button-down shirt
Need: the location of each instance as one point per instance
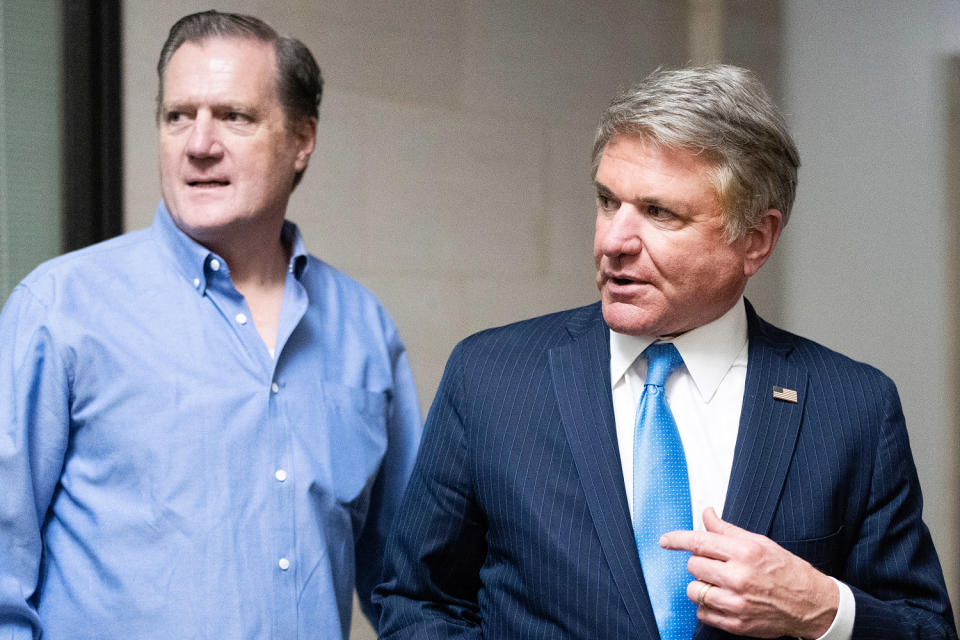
(163, 476)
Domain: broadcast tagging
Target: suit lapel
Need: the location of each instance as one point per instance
(766, 438)
(768, 429)
(580, 370)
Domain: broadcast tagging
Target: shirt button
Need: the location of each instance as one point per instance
(196, 283)
(275, 388)
(284, 564)
(280, 475)
(242, 319)
(215, 264)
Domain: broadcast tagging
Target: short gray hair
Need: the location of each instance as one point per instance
(723, 113)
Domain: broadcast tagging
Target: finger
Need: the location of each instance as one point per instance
(707, 595)
(715, 617)
(697, 592)
(700, 543)
(684, 540)
(679, 539)
(715, 524)
(716, 572)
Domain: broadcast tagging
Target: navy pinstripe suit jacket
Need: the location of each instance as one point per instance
(515, 524)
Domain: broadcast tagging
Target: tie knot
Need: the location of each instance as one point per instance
(662, 360)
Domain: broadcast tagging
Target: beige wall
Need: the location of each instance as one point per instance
(871, 255)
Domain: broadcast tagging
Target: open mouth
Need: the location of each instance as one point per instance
(208, 183)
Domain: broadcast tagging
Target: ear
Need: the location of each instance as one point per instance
(761, 240)
(305, 133)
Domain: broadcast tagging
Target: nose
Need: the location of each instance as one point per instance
(620, 233)
(204, 141)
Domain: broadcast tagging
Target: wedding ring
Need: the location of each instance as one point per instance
(703, 594)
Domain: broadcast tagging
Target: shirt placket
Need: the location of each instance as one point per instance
(276, 433)
(286, 475)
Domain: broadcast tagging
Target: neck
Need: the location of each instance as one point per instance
(255, 253)
(258, 265)
(258, 269)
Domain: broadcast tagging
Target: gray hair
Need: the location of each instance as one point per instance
(299, 83)
(723, 113)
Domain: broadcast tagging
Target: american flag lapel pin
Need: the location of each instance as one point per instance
(787, 395)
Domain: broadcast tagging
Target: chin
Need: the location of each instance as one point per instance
(629, 319)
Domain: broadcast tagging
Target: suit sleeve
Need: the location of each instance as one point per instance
(404, 428)
(433, 559)
(34, 428)
(893, 568)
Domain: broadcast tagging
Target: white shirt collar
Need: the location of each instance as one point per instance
(708, 351)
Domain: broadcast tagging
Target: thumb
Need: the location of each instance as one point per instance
(714, 524)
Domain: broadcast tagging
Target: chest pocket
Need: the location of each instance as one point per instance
(356, 422)
(823, 553)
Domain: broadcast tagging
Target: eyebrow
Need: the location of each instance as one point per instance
(217, 107)
(677, 207)
(602, 188)
(680, 207)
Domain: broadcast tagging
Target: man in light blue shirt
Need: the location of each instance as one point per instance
(204, 431)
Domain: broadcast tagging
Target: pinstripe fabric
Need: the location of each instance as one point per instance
(515, 525)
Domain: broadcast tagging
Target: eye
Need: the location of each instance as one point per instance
(236, 116)
(658, 213)
(177, 114)
(607, 203)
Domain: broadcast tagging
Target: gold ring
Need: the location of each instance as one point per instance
(703, 594)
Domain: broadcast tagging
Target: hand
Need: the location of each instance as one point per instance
(758, 588)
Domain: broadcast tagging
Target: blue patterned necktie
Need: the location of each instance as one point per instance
(661, 498)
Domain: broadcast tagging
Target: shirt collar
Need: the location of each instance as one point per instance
(298, 251)
(192, 259)
(708, 351)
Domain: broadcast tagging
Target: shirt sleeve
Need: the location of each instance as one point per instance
(34, 430)
(842, 627)
(404, 428)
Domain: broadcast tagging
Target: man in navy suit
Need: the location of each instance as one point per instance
(525, 512)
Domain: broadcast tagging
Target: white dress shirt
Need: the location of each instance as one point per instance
(705, 397)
